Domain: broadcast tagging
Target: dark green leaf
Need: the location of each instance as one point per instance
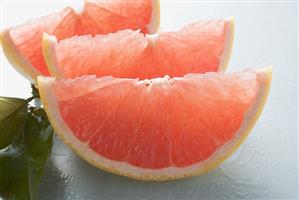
(39, 141)
(22, 162)
(14, 170)
(13, 114)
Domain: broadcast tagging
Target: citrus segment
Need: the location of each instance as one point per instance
(110, 16)
(157, 129)
(22, 44)
(197, 48)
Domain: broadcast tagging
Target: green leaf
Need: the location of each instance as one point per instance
(13, 114)
(39, 142)
(14, 171)
(22, 162)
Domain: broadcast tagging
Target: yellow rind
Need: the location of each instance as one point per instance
(154, 23)
(20, 64)
(265, 77)
(229, 45)
(48, 43)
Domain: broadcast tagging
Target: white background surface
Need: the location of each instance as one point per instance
(266, 165)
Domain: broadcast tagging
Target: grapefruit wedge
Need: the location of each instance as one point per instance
(157, 129)
(197, 48)
(22, 44)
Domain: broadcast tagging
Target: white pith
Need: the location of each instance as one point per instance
(129, 170)
(152, 38)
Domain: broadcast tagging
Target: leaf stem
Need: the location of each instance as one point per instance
(30, 99)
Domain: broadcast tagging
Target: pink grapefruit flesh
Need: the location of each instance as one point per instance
(157, 129)
(22, 44)
(110, 16)
(197, 48)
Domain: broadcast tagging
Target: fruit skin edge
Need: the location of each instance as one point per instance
(265, 77)
(260, 104)
(154, 24)
(16, 59)
(229, 45)
(48, 42)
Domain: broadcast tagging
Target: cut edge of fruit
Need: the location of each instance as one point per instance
(48, 45)
(19, 63)
(169, 173)
(154, 24)
(224, 61)
(251, 116)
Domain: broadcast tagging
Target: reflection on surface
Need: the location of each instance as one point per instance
(53, 184)
(67, 176)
